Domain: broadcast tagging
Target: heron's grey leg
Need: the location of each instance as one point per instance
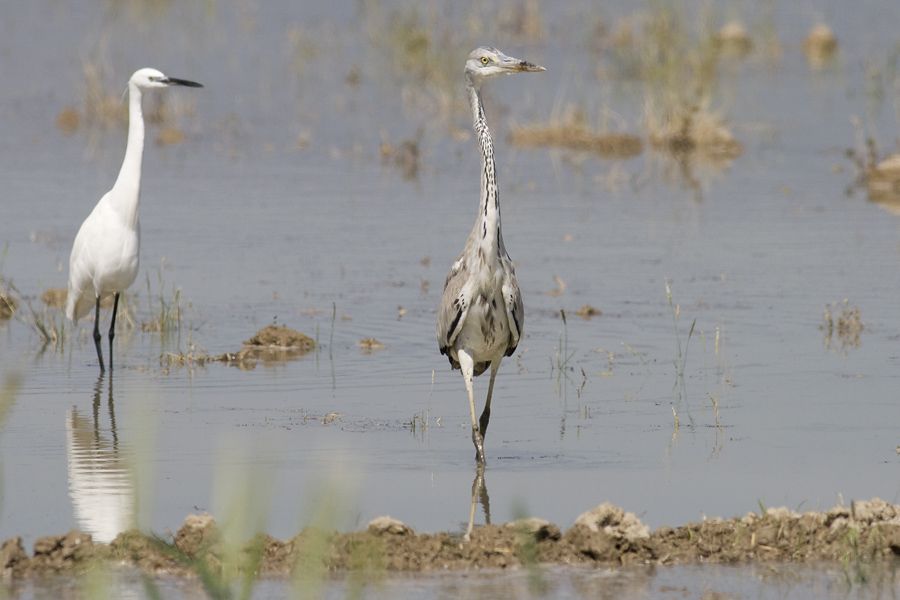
(467, 366)
(486, 414)
(97, 335)
(478, 492)
(112, 329)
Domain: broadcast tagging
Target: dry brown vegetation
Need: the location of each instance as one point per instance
(104, 105)
(8, 305)
(55, 297)
(879, 176)
(370, 344)
(693, 128)
(404, 156)
(844, 322)
(678, 65)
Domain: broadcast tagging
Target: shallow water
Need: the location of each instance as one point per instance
(253, 229)
(708, 582)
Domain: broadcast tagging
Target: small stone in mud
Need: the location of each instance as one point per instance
(613, 521)
(541, 529)
(197, 533)
(370, 344)
(12, 554)
(389, 525)
(587, 311)
(55, 552)
(55, 297)
(68, 120)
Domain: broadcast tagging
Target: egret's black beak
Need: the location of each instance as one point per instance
(184, 82)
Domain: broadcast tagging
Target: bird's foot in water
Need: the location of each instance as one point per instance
(478, 440)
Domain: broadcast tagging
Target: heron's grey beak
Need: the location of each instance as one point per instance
(184, 82)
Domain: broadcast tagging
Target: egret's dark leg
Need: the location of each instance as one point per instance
(97, 335)
(112, 328)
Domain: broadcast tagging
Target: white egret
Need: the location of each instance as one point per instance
(481, 314)
(105, 255)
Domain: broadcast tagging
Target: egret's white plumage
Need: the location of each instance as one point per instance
(105, 254)
(481, 314)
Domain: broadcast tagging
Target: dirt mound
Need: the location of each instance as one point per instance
(272, 343)
(606, 535)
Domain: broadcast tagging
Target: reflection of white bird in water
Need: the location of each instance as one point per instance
(104, 256)
(481, 315)
(100, 483)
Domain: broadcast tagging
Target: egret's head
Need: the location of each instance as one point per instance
(151, 78)
(484, 63)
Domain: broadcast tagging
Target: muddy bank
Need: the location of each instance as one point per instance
(865, 531)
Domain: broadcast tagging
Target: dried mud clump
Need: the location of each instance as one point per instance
(12, 556)
(865, 531)
(62, 552)
(68, 120)
(389, 526)
(273, 343)
(587, 311)
(733, 41)
(573, 132)
(882, 180)
(820, 46)
(369, 345)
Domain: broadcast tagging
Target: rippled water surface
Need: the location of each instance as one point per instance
(278, 207)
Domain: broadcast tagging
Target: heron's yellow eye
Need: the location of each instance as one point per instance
(485, 60)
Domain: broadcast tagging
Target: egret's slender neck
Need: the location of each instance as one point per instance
(129, 181)
(488, 222)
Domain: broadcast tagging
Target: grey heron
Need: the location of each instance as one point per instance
(481, 314)
(105, 254)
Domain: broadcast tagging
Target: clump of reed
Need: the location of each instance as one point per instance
(572, 131)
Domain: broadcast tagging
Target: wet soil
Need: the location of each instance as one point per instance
(865, 531)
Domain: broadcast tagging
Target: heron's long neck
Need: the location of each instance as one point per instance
(487, 226)
(128, 184)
